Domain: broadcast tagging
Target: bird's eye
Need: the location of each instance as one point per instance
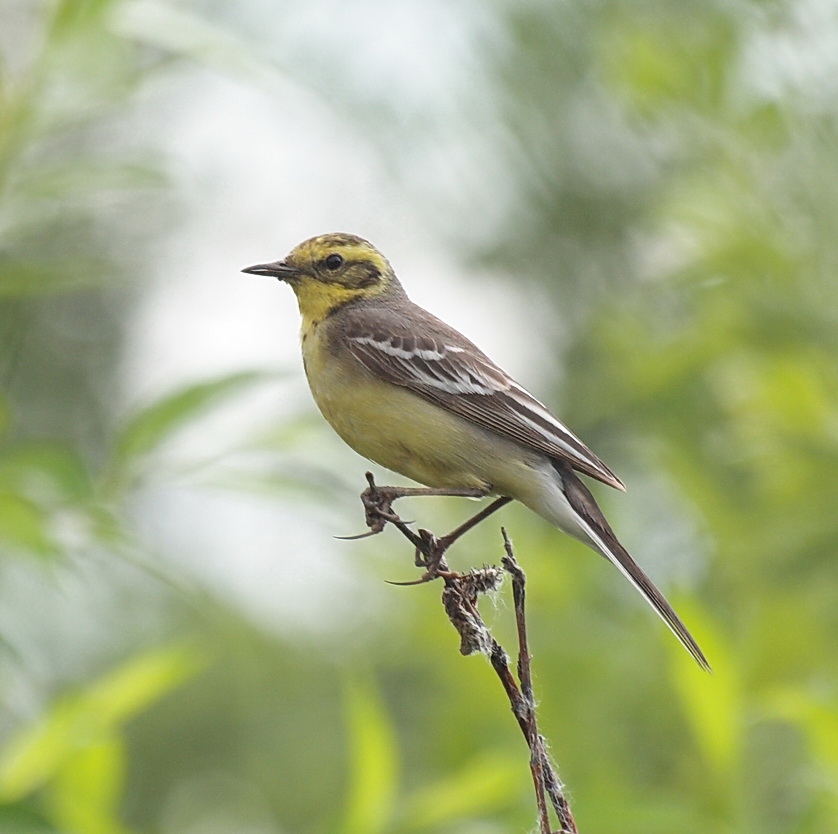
(334, 261)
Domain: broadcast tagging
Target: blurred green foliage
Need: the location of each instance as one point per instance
(667, 189)
(76, 750)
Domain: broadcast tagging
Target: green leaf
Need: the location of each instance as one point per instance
(484, 785)
(23, 525)
(373, 760)
(48, 473)
(87, 790)
(143, 680)
(153, 425)
(713, 703)
(40, 751)
(78, 16)
(35, 753)
(817, 715)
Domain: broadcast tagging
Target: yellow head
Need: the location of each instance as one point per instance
(331, 270)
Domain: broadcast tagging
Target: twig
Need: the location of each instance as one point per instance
(544, 773)
(459, 598)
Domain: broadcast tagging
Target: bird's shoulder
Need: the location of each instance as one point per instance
(409, 345)
(402, 319)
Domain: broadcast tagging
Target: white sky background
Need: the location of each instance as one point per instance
(259, 168)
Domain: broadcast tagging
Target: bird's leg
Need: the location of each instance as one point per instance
(378, 502)
(430, 550)
(448, 540)
(430, 554)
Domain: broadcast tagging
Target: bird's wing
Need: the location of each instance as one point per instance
(446, 368)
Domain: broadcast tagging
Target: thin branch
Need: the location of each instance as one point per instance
(459, 599)
(545, 775)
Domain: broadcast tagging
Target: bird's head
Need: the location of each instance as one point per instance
(331, 270)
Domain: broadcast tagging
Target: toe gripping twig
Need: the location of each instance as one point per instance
(430, 550)
(459, 598)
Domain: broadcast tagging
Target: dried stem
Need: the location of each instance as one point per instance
(459, 598)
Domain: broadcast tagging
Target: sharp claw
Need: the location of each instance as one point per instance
(357, 536)
(421, 581)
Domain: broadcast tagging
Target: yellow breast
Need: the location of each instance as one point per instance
(393, 426)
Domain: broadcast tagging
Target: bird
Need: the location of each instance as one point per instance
(412, 394)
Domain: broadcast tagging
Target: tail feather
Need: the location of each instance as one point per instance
(602, 537)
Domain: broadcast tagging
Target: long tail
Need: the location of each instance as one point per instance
(600, 536)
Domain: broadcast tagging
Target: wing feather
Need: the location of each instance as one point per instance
(444, 367)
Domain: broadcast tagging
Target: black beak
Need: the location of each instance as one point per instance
(275, 270)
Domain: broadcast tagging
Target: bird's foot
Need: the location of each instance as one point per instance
(378, 506)
(430, 554)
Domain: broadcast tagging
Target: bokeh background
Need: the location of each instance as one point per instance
(631, 206)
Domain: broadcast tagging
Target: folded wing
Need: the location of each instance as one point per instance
(450, 371)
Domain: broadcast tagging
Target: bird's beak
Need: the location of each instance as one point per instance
(277, 269)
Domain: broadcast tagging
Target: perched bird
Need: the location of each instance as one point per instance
(409, 392)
